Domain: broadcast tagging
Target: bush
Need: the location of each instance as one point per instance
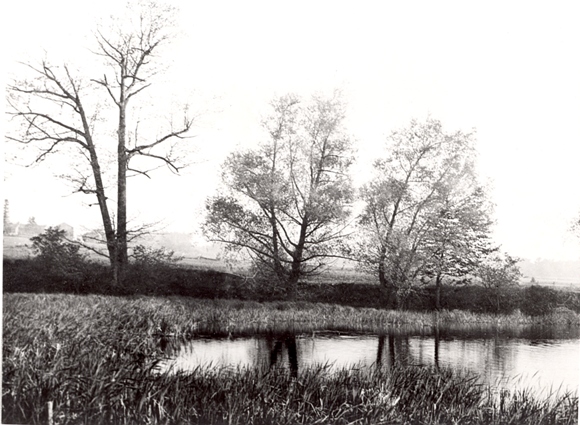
(150, 270)
(56, 254)
(59, 266)
(539, 300)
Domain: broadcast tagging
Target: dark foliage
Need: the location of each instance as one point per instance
(164, 279)
(538, 300)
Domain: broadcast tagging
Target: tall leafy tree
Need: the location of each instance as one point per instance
(423, 210)
(457, 237)
(285, 203)
(60, 111)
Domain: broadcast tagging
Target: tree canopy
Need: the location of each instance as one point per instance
(425, 214)
(285, 203)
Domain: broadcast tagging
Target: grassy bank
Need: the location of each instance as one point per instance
(93, 356)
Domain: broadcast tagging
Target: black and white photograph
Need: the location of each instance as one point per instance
(308, 212)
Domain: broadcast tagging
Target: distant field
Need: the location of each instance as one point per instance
(18, 247)
(561, 284)
(203, 263)
(15, 247)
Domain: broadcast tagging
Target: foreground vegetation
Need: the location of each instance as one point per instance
(94, 358)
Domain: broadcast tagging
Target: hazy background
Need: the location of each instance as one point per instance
(509, 70)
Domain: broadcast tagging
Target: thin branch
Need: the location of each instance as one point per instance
(170, 163)
(106, 85)
(144, 173)
(178, 134)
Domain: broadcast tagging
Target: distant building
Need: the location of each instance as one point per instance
(69, 231)
(11, 229)
(93, 236)
(31, 229)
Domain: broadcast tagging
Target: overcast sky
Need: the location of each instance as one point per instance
(511, 70)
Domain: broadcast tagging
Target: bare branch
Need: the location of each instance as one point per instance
(177, 134)
(105, 83)
(143, 173)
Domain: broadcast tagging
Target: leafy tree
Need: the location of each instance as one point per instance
(62, 112)
(425, 215)
(457, 236)
(285, 203)
(498, 273)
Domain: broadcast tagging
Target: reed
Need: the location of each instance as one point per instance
(94, 358)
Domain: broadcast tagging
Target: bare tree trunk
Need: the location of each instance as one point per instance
(122, 256)
(99, 190)
(102, 200)
(122, 259)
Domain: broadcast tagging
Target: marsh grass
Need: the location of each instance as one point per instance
(94, 358)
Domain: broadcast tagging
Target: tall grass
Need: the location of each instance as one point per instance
(93, 357)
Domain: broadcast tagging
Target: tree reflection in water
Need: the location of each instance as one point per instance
(526, 358)
(393, 350)
(275, 347)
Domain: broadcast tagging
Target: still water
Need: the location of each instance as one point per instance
(544, 360)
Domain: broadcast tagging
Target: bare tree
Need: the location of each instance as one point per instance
(58, 114)
(286, 202)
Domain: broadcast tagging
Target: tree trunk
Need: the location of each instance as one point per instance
(102, 200)
(121, 259)
(384, 281)
(296, 270)
(438, 293)
(292, 282)
(100, 191)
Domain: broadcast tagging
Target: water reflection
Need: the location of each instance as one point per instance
(276, 348)
(523, 358)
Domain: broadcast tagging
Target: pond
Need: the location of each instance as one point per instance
(542, 359)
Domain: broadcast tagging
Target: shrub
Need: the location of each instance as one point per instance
(150, 269)
(539, 300)
(564, 316)
(56, 254)
(58, 264)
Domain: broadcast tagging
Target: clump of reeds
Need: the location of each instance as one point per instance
(94, 359)
(563, 316)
